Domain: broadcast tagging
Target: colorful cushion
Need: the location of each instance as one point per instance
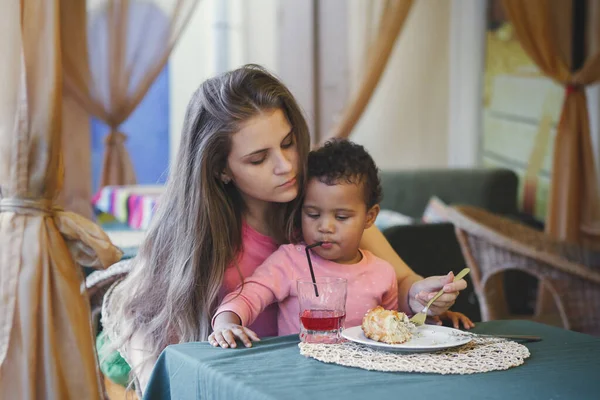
(133, 205)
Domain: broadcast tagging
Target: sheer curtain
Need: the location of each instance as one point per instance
(46, 343)
(544, 28)
(379, 43)
(113, 50)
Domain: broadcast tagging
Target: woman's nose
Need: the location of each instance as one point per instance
(283, 164)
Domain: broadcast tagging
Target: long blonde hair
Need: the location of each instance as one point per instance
(196, 233)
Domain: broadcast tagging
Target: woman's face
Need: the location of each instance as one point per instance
(263, 162)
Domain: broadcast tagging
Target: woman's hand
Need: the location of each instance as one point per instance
(227, 328)
(424, 290)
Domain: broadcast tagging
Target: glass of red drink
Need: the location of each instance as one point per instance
(322, 311)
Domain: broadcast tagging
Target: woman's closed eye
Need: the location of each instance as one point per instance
(258, 161)
(288, 142)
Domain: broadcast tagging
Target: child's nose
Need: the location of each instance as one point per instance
(326, 226)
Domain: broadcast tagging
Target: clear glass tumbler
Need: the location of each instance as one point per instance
(322, 309)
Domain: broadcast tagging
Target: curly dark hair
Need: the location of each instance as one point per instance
(343, 160)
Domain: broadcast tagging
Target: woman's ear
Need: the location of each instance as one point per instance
(225, 178)
(371, 216)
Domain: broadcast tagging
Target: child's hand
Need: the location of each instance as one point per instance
(226, 328)
(457, 318)
(225, 335)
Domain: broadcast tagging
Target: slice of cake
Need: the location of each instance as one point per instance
(387, 326)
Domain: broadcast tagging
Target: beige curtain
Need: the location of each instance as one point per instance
(77, 188)
(46, 344)
(131, 42)
(393, 16)
(544, 28)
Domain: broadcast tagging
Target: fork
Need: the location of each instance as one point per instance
(419, 319)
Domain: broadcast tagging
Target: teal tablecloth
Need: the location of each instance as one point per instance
(564, 365)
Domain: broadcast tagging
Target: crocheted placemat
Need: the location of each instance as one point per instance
(479, 355)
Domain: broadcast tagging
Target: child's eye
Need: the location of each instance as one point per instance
(313, 216)
(342, 217)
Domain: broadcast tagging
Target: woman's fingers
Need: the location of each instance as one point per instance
(443, 303)
(444, 298)
(424, 290)
(433, 320)
(455, 286)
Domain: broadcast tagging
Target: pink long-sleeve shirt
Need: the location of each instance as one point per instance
(371, 282)
(256, 247)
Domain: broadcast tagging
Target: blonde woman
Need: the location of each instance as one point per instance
(229, 203)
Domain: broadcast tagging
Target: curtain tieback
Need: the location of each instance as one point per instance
(115, 138)
(571, 88)
(28, 206)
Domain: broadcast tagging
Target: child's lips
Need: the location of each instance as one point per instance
(327, 245)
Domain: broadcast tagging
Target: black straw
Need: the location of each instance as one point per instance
(312, 273)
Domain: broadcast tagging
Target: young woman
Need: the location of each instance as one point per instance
(229, 203)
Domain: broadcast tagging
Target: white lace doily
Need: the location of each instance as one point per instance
(479, 355)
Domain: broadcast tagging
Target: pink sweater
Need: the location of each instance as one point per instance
(371, 282)
(255, 250)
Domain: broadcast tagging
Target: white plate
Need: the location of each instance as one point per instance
(425, 338)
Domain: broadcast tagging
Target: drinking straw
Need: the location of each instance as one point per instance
(312, 272)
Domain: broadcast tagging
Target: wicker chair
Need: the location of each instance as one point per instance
(492, 245)
(99, 282)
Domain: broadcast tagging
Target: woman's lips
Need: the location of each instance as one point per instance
(289, 183)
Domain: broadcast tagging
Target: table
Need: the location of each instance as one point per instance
(564, 365)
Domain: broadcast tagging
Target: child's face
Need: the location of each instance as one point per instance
(338, 216)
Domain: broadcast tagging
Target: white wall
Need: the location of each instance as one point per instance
(295, 61)
(190, 63)
(397, 128)
(251, 37)
(406, 123)
(467, 55)
(426, 110)
(257, 34)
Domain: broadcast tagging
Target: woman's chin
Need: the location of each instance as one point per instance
(287, 196)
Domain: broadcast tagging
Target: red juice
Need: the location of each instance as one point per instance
(322, 320)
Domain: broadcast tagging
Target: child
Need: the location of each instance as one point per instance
(342, 200)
